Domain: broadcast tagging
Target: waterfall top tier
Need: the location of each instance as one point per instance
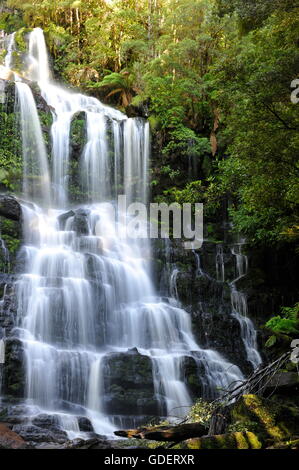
(62, 100)
(108, 131)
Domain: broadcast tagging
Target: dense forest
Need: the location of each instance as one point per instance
(216, 80)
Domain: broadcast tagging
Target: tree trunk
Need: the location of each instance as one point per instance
(177, 433)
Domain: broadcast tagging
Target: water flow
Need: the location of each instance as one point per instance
(2, 351)
(36, 179)
(86, 293)
(240, 309)
(10, 49)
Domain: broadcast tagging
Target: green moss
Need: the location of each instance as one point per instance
(10, 234)
(253, 441)
(270, 420)
(236, 440)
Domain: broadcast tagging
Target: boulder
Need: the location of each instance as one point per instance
(10, 439)
(10, 208)
(284, 380)
(80, 222)
(64, 217)
(85, 424)
(128, 381)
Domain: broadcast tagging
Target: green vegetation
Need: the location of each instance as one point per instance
(288, 323)
(214, 78)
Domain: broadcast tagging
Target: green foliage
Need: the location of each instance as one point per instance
(201, 412)
(215, 77)
(10, 23)
(288, 323)
(10, 153)
(192, 193)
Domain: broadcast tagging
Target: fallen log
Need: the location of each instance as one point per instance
(165, 433)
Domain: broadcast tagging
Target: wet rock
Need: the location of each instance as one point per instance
(31, 433)
(94, 443)
(13, 414)
(10, 439)
(13, 382)
(128, 380)
(64, 217)
(78, 135)
(192, 375)
(85, 424)
(221, 332)
(80, 222)
(10, 208)
(44, 420)
(9, 306)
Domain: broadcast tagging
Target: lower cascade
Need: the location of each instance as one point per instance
(88, 312)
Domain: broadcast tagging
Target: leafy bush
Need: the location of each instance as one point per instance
(201, 412)
(288, 323)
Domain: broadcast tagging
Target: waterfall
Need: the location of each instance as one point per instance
(2, 351)
(240, 310)
(5, 255)
(86, 293)
(10, 49)
(36, 179)
(220, 270)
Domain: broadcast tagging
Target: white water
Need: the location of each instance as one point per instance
(36, 178)
(220, 270)
(10, 49)
(87, 293)
(2, 351)
(240, 309)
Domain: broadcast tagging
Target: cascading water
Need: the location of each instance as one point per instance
(10, 50)
(240, 310)
(36, 179)
(86, 293)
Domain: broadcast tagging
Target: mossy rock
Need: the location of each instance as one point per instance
(235, 440)
(273, 421)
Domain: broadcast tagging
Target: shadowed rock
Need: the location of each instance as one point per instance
(10, 208)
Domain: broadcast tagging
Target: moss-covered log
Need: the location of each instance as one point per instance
(165, 433)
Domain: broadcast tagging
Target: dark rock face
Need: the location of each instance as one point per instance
(207, 299)
(78, 135)
(129, 384)
(64, 217)
(193, 376)
(13, 378)
(80, 222)
(10, 208)
(222, 333)
(9, 304)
